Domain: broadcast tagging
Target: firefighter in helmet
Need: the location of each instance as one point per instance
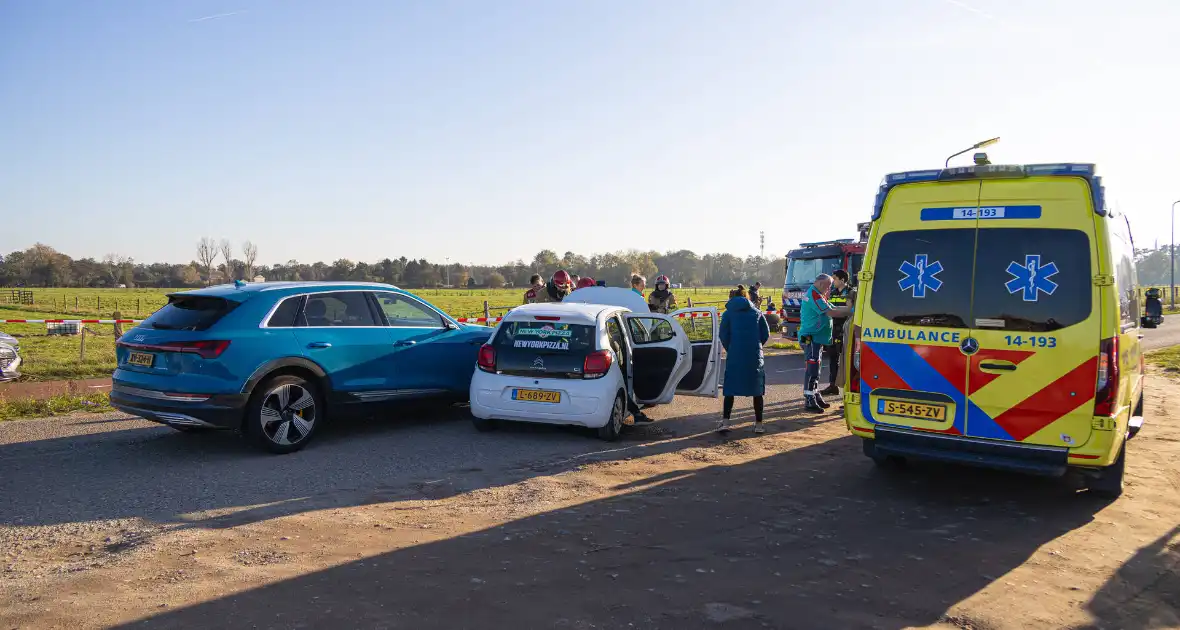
(559, 286)
(536, 285)
(662, 300)
(585, 281)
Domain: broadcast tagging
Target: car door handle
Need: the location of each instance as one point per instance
(405, 342)
(319, 344)
(1003, 366)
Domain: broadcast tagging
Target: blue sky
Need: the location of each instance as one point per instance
(484, 132)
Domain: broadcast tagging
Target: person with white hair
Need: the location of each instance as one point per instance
(815, 332)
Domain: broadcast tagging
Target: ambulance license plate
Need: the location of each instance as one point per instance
(912, 410)
(536, 395)
(142, 359)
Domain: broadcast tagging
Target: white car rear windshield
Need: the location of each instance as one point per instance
(545, 336)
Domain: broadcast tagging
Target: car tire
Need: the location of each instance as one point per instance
(483, 425)
(1107, 483)
(614, 424)
(273, 424)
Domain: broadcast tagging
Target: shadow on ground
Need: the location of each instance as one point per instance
(164, 476)
(1145, 592)
(814, 537)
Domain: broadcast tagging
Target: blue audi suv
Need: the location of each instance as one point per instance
(274, 359)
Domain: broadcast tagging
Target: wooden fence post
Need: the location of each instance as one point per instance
(100, 305)
(118, 326)
(487, 313)
(138, 304)
(75, 304)
(82, 347)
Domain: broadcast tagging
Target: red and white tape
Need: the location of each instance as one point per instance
(462, 320)
(478, 320)
(70, 321)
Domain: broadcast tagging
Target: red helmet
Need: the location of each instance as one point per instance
(562, 278)
(663, 279)
(585, 281)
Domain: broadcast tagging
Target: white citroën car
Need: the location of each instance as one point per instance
(578, 361)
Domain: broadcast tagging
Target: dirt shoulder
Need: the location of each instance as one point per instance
(793, 529)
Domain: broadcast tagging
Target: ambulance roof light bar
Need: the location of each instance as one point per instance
(996, 171)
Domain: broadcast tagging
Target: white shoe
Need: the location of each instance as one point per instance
(758, 428)
(722, 425)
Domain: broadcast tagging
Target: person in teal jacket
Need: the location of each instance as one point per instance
(815, 332)
(743, 333)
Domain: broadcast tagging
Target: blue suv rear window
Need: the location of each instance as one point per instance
(190, 312)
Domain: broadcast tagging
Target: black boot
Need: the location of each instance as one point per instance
(830, 390)
(819, 400)
(811, 405)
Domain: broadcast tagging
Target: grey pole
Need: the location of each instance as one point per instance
(1172, 258)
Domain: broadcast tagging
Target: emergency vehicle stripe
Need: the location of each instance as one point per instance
(879, 375)
(979, 378)
(872, 366)
(1052, 402)
(949, 361)
(920, 376)
(979, 424)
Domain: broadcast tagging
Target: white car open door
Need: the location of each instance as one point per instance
(660, 356)
(702, 326)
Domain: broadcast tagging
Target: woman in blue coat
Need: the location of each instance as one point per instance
(743, 333)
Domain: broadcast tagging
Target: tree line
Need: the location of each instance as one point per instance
(219, 261)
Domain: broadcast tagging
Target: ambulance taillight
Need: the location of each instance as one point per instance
(1107, 388)
(854, 364)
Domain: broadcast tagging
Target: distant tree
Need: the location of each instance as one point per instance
(495, 280)
(114, 264)
(546, 261)
(227, 255)
(206, 254)
(471, 282)
(341, 270)
(249, 257)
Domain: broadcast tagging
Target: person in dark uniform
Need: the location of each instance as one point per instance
(838, 298)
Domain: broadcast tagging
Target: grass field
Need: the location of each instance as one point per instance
(136, 303)
(56, 358)
(1168, 359)
(53, 358)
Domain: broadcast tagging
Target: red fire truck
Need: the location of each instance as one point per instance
(811, 260)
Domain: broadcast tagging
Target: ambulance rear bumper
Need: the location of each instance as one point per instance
(1045, 461)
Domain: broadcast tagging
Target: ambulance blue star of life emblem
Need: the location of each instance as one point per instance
(920, 275)
(1031, 278)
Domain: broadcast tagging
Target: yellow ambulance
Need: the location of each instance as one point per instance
(997, 324)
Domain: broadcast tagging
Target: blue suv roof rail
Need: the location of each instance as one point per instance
(996, 171)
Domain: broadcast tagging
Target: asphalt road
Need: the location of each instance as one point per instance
(1166, 335)
(111, 467)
